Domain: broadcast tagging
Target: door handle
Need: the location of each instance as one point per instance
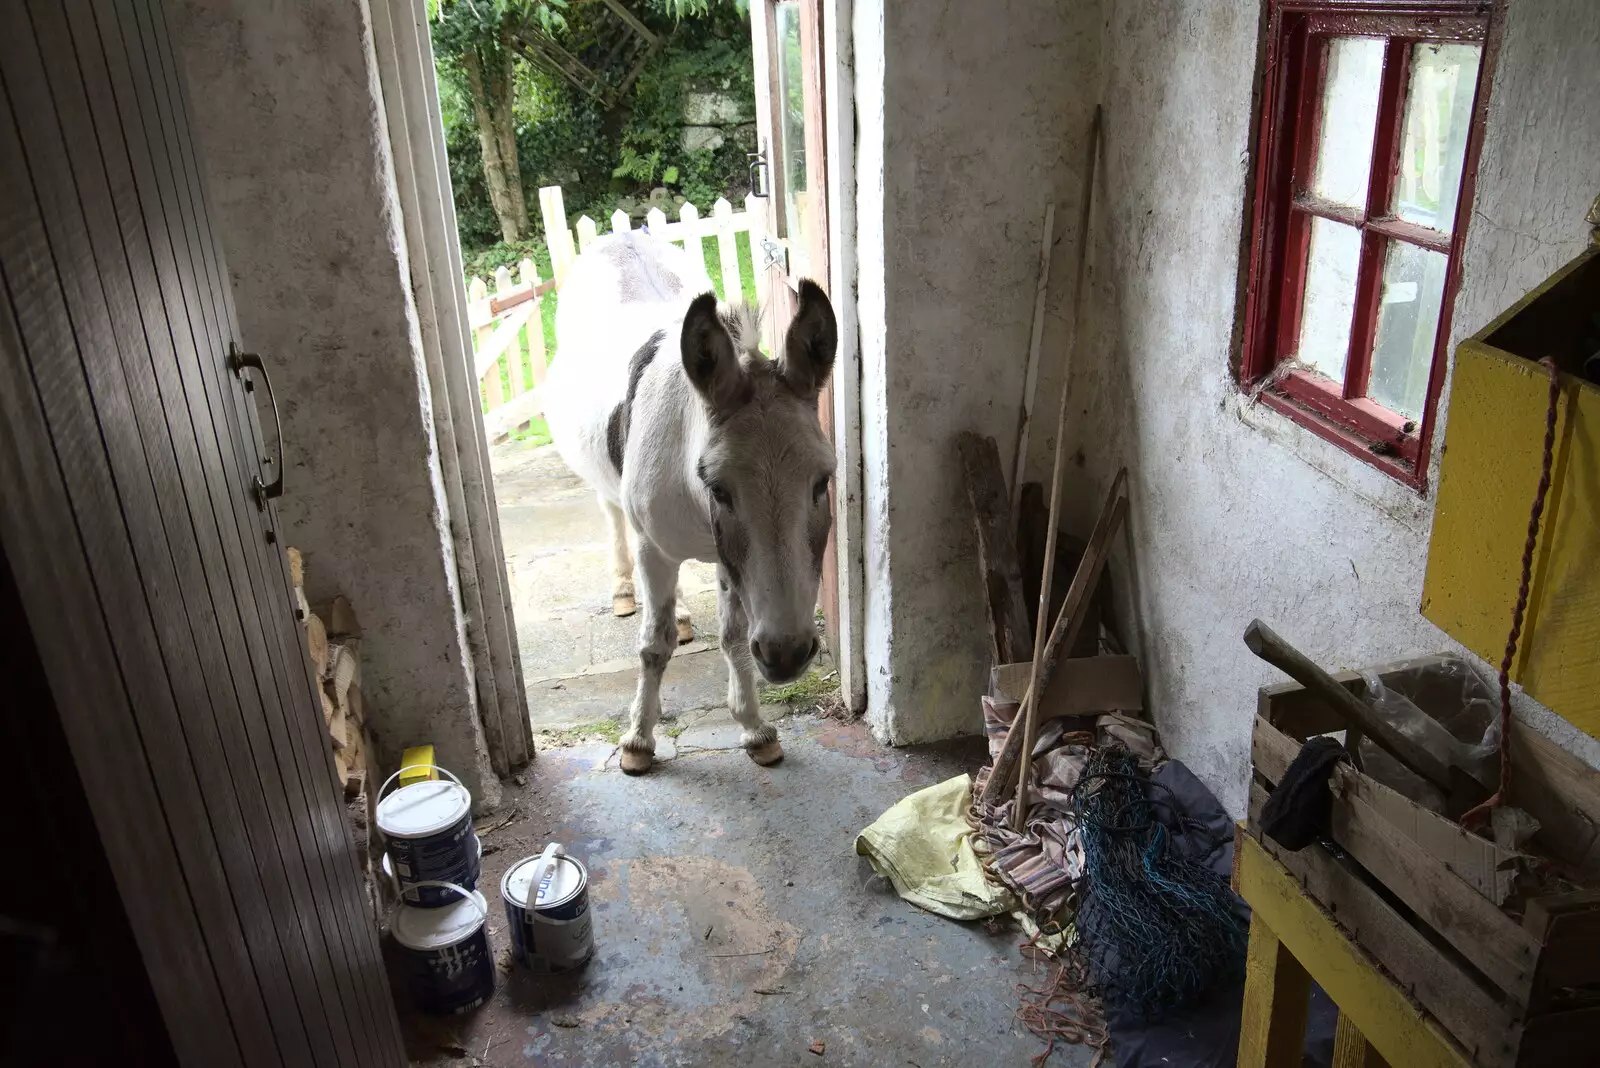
(238, 363)
(758, 171)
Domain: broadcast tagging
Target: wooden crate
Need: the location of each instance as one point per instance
(1516, 985)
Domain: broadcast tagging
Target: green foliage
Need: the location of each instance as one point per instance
(565, 138)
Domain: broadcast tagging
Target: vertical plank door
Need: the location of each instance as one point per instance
(792, 137)
(146, 562)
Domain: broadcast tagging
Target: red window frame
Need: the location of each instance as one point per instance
(1283, 208)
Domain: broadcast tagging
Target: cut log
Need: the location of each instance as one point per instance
(338, 724)
(317, 643)
(342, 619)
(297, 566)
(354, 708)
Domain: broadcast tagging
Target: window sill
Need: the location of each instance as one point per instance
(1409, 473)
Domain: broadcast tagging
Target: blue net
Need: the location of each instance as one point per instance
(1157, 926)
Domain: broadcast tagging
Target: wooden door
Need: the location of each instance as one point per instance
(145, 560)
(795, 182)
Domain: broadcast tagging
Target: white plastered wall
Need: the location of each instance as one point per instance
(1236, 511)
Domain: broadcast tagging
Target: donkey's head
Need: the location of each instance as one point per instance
(766, 466)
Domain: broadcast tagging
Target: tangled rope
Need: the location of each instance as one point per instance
(1158, 927)
(1503, 791)
(1063, 1009)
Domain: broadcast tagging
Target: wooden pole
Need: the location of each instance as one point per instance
(1030, 381)
(1031, 711)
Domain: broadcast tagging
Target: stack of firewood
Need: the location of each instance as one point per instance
(333, 638)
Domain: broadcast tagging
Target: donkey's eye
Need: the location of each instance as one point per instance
(820, 489)
(721, 496)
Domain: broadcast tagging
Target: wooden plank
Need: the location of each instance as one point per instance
(537, 359)
(727, 250)
(557, 237)
(1401, 1033)
(502, 344)
(1030, 379)
(586, 233)
(1471, 923)
(620, 223)
(1568, 927)
(1483, 865)
(1562, 792)
(1010, 636)
(1277, 996)
(1079, 686)
(1351, 1049)
(514, 413)
(755, 216)
(1429, 974)
(692, 232)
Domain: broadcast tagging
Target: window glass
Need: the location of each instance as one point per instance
(1433, 143)
(1330, 299)
(1349, 116)
(797, 207)
(1408, 320)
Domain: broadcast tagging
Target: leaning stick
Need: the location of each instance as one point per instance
(1029, 712)
(1030, 380)
(1069, 621)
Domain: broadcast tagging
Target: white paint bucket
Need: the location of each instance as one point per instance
(427, 831)
(547, 906)
(448, 965)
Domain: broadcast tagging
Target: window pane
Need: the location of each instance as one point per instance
(1349, 115)
(1330, 297)
(1408, 320)
(1433, 143)
(791, 108)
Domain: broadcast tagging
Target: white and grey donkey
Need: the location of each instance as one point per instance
(660, 400)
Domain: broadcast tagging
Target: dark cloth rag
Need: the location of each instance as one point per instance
(1299, 809)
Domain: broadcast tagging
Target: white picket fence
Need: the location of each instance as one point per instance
(507, 328)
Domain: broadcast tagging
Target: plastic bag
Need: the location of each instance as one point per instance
(1448, 709)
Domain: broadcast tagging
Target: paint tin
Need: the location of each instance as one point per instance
(428, 896)
(427, 830)
(446, 955)
(547, 906)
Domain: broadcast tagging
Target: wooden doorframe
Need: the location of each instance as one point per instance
(829, 132)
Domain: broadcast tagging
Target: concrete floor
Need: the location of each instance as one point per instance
(578, 659)
(734, 925)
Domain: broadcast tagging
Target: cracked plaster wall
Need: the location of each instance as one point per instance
(1238, 513)
(967, 112)
(289, 126)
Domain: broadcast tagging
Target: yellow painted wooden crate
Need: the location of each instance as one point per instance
(1493, 449)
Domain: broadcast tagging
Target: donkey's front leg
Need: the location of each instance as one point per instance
(759, 737)
(658, 636)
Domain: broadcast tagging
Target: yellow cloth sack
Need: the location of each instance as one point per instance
(924, 847)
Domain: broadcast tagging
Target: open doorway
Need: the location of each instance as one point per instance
(565, 123)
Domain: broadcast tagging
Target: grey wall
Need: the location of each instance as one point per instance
(289, 125)
(973, 115)
(1237, 512)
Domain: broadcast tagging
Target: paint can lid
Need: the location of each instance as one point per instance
(427, 929)
(423, 808)
(565, 878)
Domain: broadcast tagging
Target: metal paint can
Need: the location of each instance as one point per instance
(448, 965)
(547, 906)
(427, 830)
(431, 896)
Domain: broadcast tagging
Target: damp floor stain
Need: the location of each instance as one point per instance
(735, 926)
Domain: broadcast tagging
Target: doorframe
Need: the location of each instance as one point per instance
(839, 143)
(403, 51)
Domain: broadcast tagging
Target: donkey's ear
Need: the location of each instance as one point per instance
(709, 356)
(811, 342)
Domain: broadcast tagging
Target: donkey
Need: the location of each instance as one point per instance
(704, 449)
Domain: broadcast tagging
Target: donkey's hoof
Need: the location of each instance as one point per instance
(766, 755)
(623, 604)
(685, 632)
(636, 761)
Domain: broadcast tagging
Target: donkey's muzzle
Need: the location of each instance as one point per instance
(783, 659)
